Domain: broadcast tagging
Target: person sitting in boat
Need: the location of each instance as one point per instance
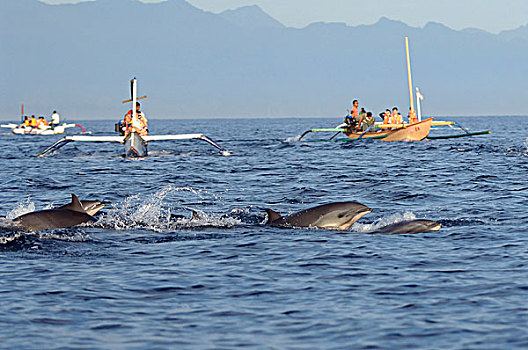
(139, 126)
(25, 123)
(366, 121)
(396, 117)
(33, 122)
(55, 119)
(42, 123)
(385, 116)
(412, 116)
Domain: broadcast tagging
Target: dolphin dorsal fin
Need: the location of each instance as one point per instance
(195, 216)
(272, 216)
(76, 204)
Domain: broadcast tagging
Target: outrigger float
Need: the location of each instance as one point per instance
(406, 131)
(135, 144)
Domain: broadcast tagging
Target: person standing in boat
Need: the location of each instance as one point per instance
(139, 126)
(55, 119)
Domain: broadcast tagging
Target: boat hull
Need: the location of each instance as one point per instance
(135, 146)
(47, 130)
(411, 132)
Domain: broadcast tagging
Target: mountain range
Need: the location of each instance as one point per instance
(79, 59)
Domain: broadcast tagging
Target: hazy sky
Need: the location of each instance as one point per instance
(490, 15)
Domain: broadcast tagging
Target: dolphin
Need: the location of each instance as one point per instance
(91, 207)
(65, 216)
(410, 226)
(332, 216)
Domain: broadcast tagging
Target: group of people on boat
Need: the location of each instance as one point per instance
(129, 125)
(41, 123)
(358, 120)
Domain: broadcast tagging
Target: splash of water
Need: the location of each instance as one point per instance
(293, 139)
(153, 213)
(23, 207)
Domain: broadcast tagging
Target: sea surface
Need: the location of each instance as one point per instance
(146, 275)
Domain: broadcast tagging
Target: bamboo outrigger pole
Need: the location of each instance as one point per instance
(409, 73)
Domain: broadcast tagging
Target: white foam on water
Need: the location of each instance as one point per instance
(152, 212)
(382, 222)
(293, 139)
(23, 207)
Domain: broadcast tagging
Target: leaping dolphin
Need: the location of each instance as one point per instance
(332, 216)
(68, 215)
(409, 226)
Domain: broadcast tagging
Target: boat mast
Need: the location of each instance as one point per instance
(418, 106)
(133, 87)
(409, 73)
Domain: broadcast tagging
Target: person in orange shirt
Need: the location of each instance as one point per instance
(25, 122)
(412, 116)
(41, 123)
(33, 122)
(385, 116)
(396, 117)
(139, 126)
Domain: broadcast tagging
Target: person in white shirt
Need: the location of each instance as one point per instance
(55, 119)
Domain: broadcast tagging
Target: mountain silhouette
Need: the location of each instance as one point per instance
(79, 58)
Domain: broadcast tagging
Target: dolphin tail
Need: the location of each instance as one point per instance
(272, 216)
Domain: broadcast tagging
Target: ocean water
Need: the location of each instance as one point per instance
(148, 276)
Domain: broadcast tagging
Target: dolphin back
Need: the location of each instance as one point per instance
(339, 215)
(409, 227)
(51, 219)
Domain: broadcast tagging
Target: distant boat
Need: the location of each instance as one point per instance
(42, 130)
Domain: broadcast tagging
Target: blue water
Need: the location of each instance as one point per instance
(146, 275)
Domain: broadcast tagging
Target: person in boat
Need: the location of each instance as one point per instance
(354, 111)
(55, 119)
(366, 121)
(352, 118)
(33, 122)
(385, 116)
(42, 123)
(25, 123)
(412, 116)
(396, 117)
(139, 126)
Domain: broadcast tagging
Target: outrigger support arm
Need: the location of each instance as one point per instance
(338, 130)
(121, 139)
(55, 146)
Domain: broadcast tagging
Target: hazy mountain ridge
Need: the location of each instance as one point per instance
(79, 58)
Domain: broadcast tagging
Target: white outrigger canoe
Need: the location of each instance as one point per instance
(135, 145)
(43, 130)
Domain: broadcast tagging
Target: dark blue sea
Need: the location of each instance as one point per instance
(146, 275)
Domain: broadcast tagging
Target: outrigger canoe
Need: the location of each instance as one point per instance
(135, 145)
(45, 130)
(409, 132)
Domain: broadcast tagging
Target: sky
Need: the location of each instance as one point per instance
(492, 16)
